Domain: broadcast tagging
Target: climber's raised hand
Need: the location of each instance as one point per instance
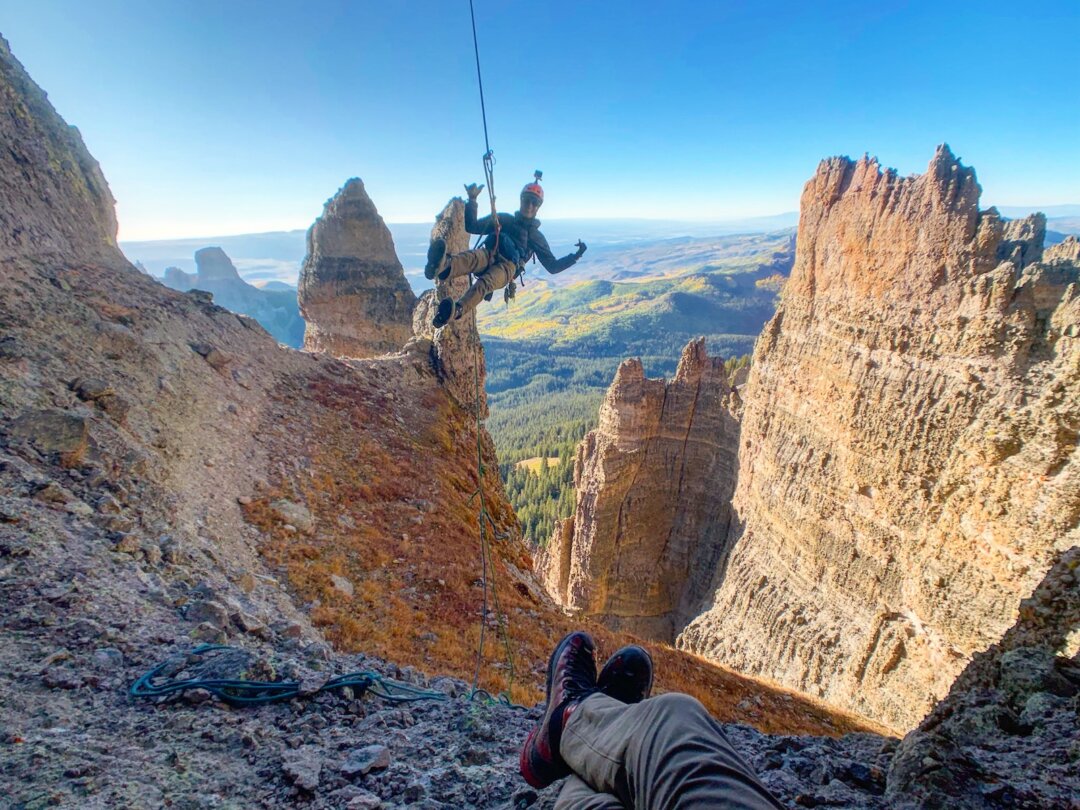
(474, 190)
(581, 248)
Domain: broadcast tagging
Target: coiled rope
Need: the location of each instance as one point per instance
(241, 692)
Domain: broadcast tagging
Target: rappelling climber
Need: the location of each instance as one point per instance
(501, 258)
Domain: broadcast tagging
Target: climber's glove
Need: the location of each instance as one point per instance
(474, 190)
(581, 248)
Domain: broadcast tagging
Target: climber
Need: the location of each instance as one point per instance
(623, 750)
(502, 257)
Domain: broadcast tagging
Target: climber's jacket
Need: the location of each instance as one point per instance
(519, 240)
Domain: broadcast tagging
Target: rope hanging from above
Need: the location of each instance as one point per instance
(489, 156)
(487, 560)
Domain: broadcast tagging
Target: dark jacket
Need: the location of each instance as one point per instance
(523, 233)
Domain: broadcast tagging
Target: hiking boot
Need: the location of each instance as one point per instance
(442, 317)
(627, 676)
(571, 677)
(436, 253)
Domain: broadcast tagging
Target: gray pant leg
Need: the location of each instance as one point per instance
(468, 261)
(665, 752)
(576, 795)
(494, 278)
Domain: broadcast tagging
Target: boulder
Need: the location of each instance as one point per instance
(53, 431)
(294, 514)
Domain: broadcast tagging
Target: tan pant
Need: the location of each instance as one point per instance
(488, 279)
(665, 752)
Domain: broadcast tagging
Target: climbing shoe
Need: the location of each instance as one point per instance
(436, 253)
(571, 677)
(627, 676)
(442, 317)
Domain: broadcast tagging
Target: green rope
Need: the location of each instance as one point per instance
(239, 692)
(487, 562)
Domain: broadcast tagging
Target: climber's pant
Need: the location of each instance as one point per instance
(577, 795)
(488, 279)
(665, 752)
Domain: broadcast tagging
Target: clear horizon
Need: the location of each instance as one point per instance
(246, 117)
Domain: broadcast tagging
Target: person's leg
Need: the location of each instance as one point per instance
(576, 795)
(496, 277)
(462, 264)
(468, 261)
(663, 752)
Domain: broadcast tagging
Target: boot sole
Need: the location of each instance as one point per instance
(604, 675)
(442, 317)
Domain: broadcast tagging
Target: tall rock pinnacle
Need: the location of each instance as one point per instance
(353, 293)
(654, 484)
(908, 465)
(455, 348)
(213, 265)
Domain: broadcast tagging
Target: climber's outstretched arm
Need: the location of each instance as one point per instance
(539, 245)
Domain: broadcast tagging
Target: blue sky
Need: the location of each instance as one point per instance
(227, 117)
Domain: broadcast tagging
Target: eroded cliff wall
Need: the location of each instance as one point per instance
(908, 465)
(654, 484)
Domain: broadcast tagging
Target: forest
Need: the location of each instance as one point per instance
(552, 354)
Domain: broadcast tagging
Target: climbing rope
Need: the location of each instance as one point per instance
(240, 692)
(487, 560)
(489, 156)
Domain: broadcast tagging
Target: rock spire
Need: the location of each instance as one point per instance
(456, 350)
(213, 265)
(908, 465)
(353, 293)
(654, 484)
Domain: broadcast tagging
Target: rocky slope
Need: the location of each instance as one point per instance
(353, 293)
(1008, 733)
(55, 199)
(170, 476)
(908, 467)
(275, 310)
(654, 484)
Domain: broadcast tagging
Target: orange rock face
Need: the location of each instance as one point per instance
(654, 483)
(908, 464)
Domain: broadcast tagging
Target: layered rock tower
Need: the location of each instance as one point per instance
(908, 465)
(654, 483)
(353, 292)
